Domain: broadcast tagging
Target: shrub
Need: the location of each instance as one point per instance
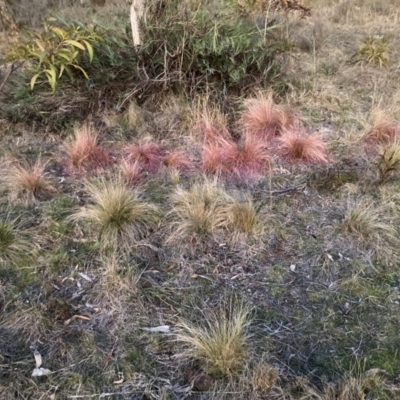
(117, 213)
(220, 340)
(53, 51)
(309, 149)
(373, 50)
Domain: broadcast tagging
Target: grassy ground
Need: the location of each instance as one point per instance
(156, 280)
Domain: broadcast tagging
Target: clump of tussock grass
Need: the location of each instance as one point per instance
(262, 118)
(197, 214)
(178, 160)
(84, 151)
(388, 161)
(220, 340)
(25, 181)
(211, 125)
(296, 147)
(12, 245)
(147, 153)
(373, 50)
(131, 171)
(383, 131)
(372, 225)
(244, 219)
(121, 218)
(247, 160)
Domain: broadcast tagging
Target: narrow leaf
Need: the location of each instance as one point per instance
(75, 43)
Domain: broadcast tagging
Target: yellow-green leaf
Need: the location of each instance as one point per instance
(75, 43)
(80, 69)
(33, 80)
(62, 67)
(89, 49)
(52, 77)
(59, 32)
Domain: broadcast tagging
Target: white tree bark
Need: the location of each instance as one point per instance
(137, 11)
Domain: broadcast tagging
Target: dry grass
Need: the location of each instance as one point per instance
(296, 147)
(26, 181)
(177, 160)
(211, 125)
(383, 131)
(263, 119)
(244, 219)
(220, 340)
(12, 245)
(146, 153)
(248, 160)
(131, 171)
(197, 214)
(388, 161)
(372, 225)
(118, 214)
(84, 152)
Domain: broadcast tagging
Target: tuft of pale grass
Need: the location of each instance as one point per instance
(211, 125)
(146, 153)
(263, 377)
(118, 214)
(371, 225)
(83, 151)
(383, 131)
(220, 340)
(12, 245)
(297, 148)
(244, 219)
(26, 181)
(263, 119)
(197, 213)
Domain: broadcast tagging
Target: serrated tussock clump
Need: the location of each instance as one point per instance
(118, 214)
(298, 147)
(264, 119)
(83, 150)
(219, 342)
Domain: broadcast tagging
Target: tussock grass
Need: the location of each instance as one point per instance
(372, 225)
(26, 181)
(388, 161)
(245, 220)
(309, 149)
(147, 153)
(178, 160)
(211, 124)
(197, 214)
(373, 50)
(383, 131)
(131, 171)
(84, 152)
(220, 340)
(12, 245)
(120, 217)
(262, 118)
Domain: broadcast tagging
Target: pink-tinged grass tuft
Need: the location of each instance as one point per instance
(382, 133)
(248, 159)
(262, 118)
(178, 160)
(212, 126)
(298, 148)
(131, 171)
(84, 152)
(148, 154)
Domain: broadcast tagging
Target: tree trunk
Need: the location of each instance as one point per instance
(137, 11)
